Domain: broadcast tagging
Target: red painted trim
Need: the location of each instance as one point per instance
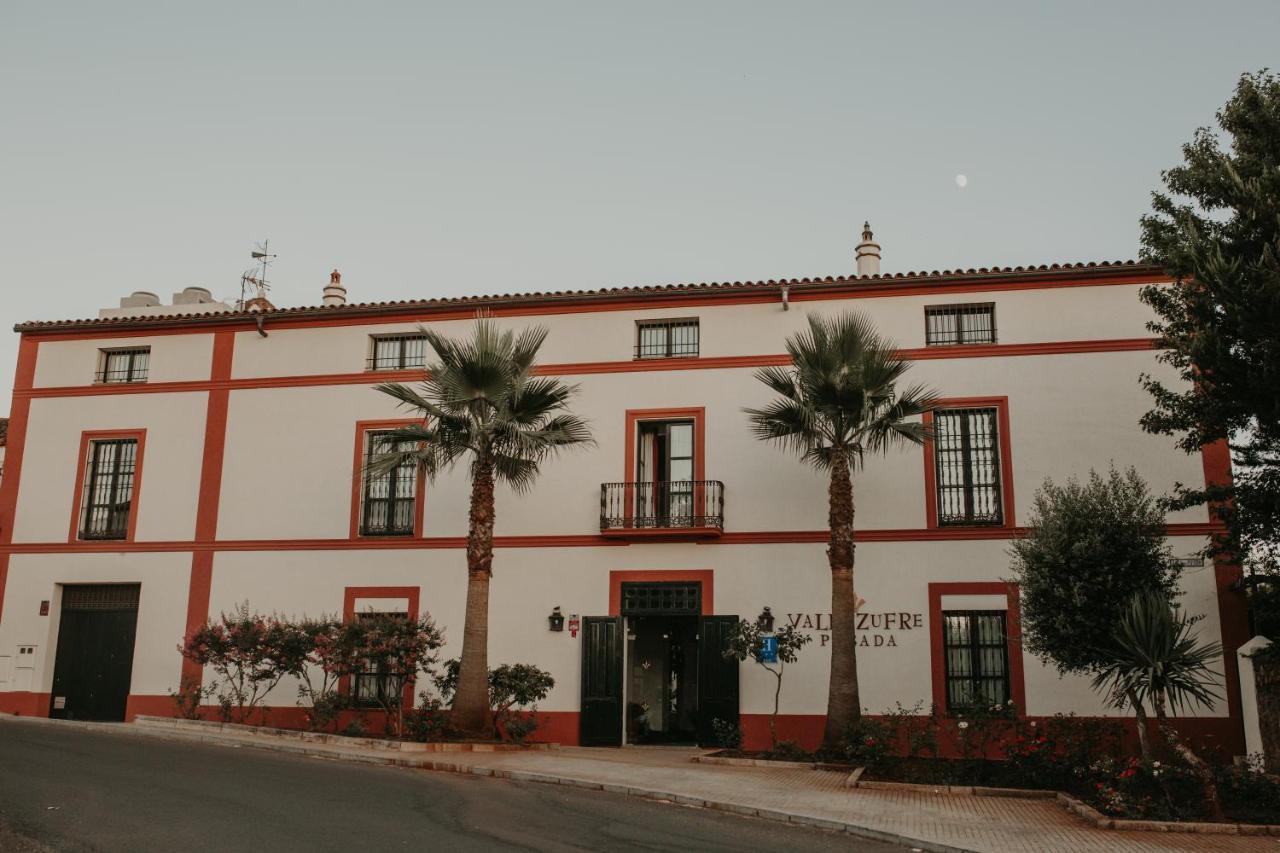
(1013, 625)
(943, 534)
(200, 584)
(1001, 404)
(705, 577)
(86, 438)
(357, 478)
(587, 367)
(533, 305)
(352, 594)
(1233, 607)
(663, 534)
(15, 444)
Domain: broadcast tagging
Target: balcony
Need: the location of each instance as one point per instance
(681, 509)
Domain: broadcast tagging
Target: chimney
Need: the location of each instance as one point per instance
(868, 253)
(334, 292)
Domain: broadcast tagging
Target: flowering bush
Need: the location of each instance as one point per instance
(1150, 790)
(979, 727)
(399, 647)
(868, 741)
(1050, 753)
(249, 653)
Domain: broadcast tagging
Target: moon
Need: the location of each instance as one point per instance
(962, 181)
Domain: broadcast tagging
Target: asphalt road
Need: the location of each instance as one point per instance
(66, 789)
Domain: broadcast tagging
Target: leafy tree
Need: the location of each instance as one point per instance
(747, 641)
(1216, 230)
(1089, 548)
(836, 403)
(480, 401)
(513, 688)
(1155, 657)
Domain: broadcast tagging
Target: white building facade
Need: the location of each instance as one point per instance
(166, 467)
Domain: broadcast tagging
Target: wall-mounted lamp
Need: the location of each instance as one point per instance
(765, 620)
(556, 619)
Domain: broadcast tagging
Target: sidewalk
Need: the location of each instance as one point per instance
(935, 822)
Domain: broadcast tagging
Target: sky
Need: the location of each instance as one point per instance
(431, 149)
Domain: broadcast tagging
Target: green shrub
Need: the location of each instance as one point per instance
(869, 741)
(788, 750)
(727, 735)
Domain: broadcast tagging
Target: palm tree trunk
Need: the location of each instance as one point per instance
(1140, 717)
(843, 704)
(1212, 803)
(470, 713)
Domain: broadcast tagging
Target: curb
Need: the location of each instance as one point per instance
(423, 762)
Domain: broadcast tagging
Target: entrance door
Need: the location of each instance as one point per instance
(94, 659)
(601, 723)
(662, 679)
(717, 678)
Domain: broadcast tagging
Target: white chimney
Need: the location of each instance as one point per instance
(334, 292)
(868, 253)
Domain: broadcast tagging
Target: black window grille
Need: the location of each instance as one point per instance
(105, 596)
(108, 488)
(948, 325)
(124, 365)
(374, 685)
(389, 499)
(975, 646)
(967, 461)
(398, 352)
(667, 339)
(665, 599)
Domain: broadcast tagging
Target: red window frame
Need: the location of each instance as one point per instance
(1013, 631)
(357, 479)
(86, 438)
(1001, 405)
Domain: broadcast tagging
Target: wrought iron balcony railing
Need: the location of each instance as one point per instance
(662, 506)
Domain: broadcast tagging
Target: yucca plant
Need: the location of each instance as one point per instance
(838, 402)
(480, 401)
(1155, 657)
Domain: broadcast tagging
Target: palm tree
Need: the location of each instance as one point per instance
(1154, 657)
(838, 402)
(480, 401)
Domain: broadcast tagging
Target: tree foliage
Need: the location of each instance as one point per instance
(747, 642)
(1090, 547)
(1216, 229)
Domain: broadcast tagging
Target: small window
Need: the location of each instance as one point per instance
(667, 339)
(966, 458)
(108, 489)
(374, 685)
(388, 502)
(975, 648)
(949, 325)
(398, 352)
(123, 365)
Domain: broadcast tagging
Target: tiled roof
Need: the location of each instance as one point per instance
(604, 294)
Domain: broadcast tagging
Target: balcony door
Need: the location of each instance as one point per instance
(665, 473)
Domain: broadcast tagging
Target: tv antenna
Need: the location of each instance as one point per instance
(253, 283)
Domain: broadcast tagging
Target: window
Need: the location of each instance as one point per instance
(108, 488)
(667, 339)
(965, 443)
(665, 474)
(948, 325)
(388, 501)
(373, 685)
(398, 352)
(123, 365)
(975, 657)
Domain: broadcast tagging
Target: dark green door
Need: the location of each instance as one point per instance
(601, 723)
(93, 664)
(717, 676)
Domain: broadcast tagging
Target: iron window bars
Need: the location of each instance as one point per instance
(398, 352)
(967, 463)
(108, 488)
(670, 504)
(373, 686)
(123, 365)
(975, 658)
(667, 339)
(951, 325)
(671, 598)
(101, 596)
(389, 500)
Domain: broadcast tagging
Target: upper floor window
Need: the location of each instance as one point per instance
(397, 352)
(108, 488)
(966, 457)
(123, 365)
(945, 325)
(667, 338)
(975, 659)
(388, 501)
